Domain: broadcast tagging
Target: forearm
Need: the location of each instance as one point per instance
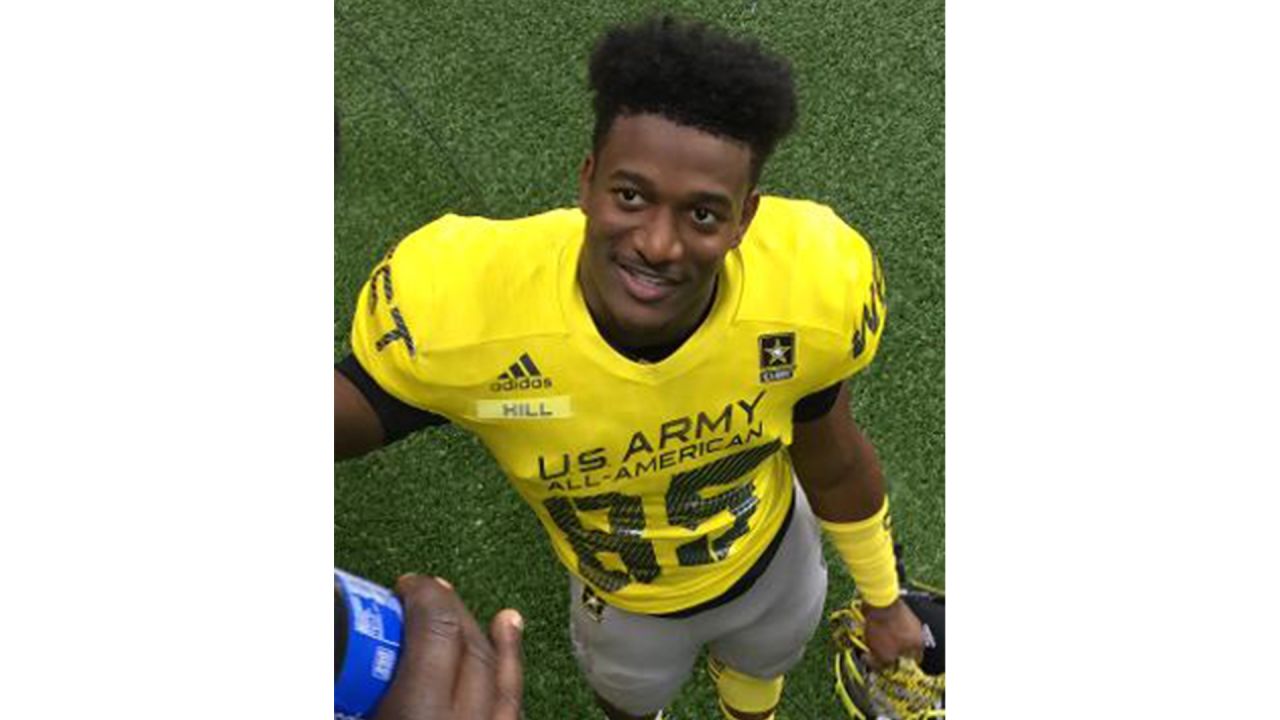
(841, 476)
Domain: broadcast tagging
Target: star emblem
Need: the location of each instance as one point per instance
(592, 604)
(777, 352)
(777, 356)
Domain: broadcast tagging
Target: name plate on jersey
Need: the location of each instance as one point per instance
(545, 408)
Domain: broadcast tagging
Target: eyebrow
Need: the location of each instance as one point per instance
(705, 197)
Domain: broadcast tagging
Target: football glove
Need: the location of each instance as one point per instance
(906, 690)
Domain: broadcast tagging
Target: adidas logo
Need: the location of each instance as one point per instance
(522, 375)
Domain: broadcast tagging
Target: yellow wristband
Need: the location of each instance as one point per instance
(867, 549)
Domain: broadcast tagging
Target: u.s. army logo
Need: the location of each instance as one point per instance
(777, 356)
(592, 604)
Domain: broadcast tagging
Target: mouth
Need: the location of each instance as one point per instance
(645, 285)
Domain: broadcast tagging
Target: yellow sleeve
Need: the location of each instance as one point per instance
(393, 314)
(866, 305)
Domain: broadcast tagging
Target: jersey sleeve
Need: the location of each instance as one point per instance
(393, 313)
(866, 310)
(399, 420)
(815, 405)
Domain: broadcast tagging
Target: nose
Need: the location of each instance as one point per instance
(659, 242)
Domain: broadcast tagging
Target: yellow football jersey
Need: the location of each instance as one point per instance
(659, 484)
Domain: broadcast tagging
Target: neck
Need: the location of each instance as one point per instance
(650, 345)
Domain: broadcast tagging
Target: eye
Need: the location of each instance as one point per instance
(628, 197)
(704, 217)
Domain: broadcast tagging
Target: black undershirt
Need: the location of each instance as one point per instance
(398, 419)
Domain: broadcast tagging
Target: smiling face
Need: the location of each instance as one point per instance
(664, 204)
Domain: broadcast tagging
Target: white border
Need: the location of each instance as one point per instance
(167, 285)
(1111, 245)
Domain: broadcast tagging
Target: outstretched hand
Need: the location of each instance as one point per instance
(448, 668)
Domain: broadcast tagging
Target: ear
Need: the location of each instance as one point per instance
(584, 180)
(748, 214)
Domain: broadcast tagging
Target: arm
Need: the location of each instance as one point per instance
(841, 476)
(366, 417)
(837, 466)
(356, 428)
(448, 669)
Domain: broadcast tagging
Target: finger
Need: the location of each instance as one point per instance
(879, 655)
(507, 630)
(474, 692)
(884, 652)
(876, 660)
(431, 648)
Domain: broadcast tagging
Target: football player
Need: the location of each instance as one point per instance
(660, 374)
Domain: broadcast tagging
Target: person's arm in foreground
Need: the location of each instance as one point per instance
(841, 476)
(449, 669)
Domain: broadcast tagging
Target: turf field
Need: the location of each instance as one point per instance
(482, 108)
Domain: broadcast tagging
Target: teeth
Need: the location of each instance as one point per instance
(646, 278)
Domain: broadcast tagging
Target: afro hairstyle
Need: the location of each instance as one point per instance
(697, 76)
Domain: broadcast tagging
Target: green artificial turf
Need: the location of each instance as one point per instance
(482, 108)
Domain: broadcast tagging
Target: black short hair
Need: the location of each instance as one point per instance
(694, 75)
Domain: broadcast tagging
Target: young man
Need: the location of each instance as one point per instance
(675, 367)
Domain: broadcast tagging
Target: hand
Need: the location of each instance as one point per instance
(892, 632)
(448, 669)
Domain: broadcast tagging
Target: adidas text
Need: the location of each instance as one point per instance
(525, 383)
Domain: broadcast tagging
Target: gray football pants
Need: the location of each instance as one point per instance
(638, 662)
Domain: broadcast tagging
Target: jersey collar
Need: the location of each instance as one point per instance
(704, 342)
